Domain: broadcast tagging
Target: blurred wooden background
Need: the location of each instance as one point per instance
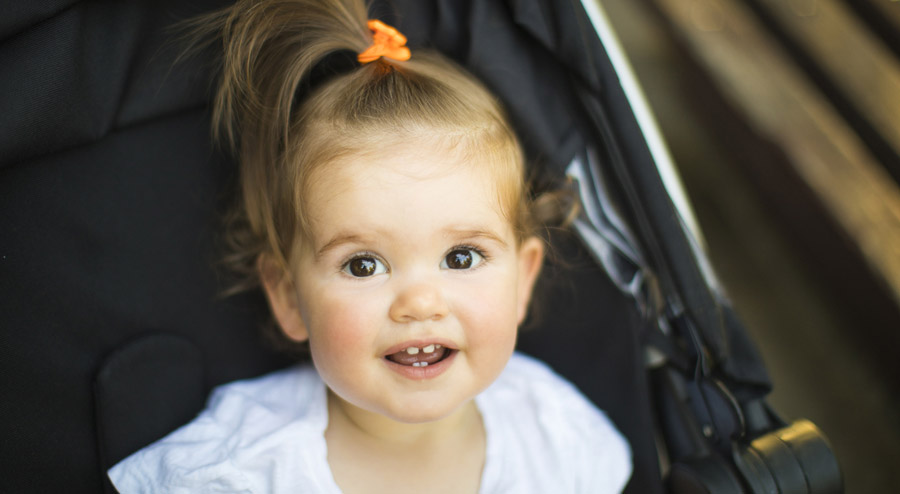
(783, 118)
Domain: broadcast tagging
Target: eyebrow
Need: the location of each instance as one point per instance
(343, 238)
(475, 233)
(338, 240)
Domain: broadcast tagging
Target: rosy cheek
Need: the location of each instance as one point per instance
(490, 312)
(342, 324)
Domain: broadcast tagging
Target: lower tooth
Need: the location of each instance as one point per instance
(420, 364)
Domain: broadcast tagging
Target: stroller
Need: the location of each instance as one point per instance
(112, 333)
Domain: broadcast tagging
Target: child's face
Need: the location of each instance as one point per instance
(409, 249)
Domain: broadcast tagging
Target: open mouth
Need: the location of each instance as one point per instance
(423, 356)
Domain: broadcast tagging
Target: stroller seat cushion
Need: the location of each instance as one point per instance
(143, 390)
(267, 435)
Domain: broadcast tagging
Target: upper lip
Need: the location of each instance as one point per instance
(423, 342)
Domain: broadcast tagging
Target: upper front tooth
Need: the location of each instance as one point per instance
(428, 349)
(412, 350)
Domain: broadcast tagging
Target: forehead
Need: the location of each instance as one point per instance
(424, 183)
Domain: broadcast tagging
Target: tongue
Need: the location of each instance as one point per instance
(404, 358)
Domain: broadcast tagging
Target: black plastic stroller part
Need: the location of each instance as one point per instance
(112, 333)
(796, 458)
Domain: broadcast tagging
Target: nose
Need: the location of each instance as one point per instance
(418, 302)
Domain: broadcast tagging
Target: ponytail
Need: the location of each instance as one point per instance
(268, 48)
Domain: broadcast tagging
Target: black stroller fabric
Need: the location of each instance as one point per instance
(112, 330)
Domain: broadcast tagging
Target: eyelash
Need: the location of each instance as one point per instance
(484, 257)
(368, 254)
(362, 255)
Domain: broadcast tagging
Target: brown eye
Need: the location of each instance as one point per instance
(461, 259)
(362, 267)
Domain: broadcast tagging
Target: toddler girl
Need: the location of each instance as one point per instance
(385, 216)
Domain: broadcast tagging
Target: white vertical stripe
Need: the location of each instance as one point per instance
(646, 121)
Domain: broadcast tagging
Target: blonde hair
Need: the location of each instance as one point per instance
(281, 136)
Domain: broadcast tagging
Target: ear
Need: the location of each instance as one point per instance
(531, 257)
(283, 298)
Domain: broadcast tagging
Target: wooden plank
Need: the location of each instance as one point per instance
(864, 69)
(779, 101)
(889, 9)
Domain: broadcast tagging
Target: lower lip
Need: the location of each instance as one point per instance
(422, 373)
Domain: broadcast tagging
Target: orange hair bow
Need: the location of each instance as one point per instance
(387, 42)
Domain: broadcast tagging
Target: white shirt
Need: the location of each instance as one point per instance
(266, 435)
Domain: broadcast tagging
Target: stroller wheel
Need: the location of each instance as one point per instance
(794, 459)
